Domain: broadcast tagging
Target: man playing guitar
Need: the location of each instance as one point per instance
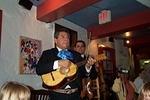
(59, 70)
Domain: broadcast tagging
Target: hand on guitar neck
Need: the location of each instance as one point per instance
(90, 61)
(64, 65)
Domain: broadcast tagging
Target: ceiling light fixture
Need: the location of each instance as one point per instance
(127, 34)
(127, 41)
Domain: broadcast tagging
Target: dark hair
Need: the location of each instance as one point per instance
(80, 41)
(61, 30)
(123, 71)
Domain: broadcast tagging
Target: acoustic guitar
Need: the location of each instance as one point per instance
(56, 79)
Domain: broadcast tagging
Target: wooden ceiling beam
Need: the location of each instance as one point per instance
(51, 10)
(132, 22)
(140, 41)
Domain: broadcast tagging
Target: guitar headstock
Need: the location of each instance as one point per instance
(92, 50)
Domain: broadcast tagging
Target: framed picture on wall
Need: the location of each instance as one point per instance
(30, 52)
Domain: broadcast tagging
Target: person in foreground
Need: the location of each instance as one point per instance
(123, 86)
(145, 92)
(57, 63)
(14, 91)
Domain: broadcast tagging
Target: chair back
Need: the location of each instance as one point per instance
(40, 95)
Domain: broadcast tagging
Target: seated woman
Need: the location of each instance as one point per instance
(123, 86)
(14, 91)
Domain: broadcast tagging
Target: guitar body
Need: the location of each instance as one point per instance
(56, 79)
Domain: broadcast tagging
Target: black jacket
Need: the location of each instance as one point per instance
(46, 61)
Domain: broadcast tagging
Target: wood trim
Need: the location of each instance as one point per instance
(0, 26)
(123, 24)
(51, 10)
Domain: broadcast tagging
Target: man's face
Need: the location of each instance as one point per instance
(62, 41)
(80, 48)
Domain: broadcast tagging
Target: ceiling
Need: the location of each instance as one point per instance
(88, 17)
(126, 15)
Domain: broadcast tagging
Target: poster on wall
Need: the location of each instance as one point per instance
(30, 51)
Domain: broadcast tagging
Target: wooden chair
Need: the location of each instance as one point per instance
(40, 95)
(96, 89)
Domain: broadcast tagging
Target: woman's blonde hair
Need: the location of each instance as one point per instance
(145, 92)
(14, 91)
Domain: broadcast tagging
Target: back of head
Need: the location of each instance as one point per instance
(123, 73)
(14, 91)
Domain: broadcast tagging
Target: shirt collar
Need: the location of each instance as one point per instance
(82, 55)
(59, 49)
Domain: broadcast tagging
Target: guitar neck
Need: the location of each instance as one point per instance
(99, 57)
(79, 64)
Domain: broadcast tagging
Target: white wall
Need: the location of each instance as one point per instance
(82, 33)
(17, 22)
